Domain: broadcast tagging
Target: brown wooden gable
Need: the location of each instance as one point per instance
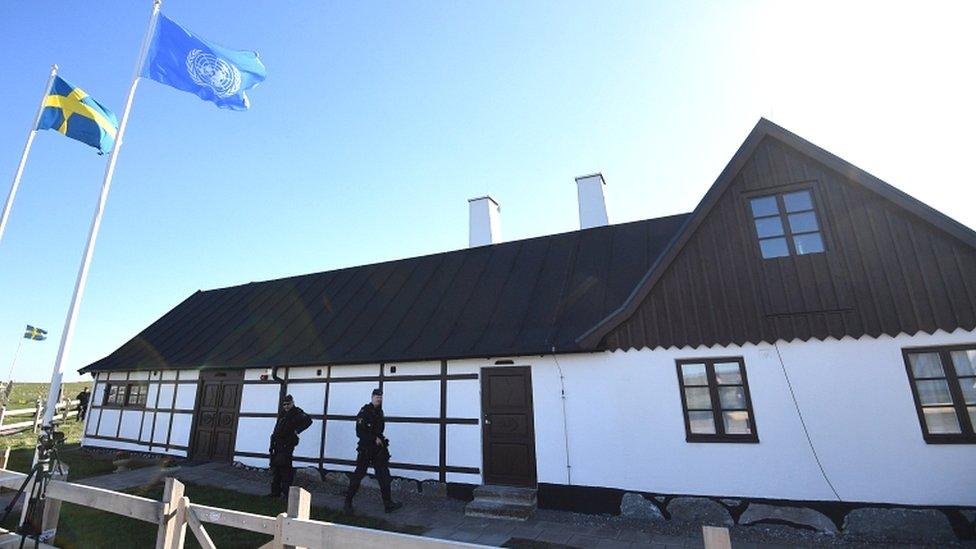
(892, 265)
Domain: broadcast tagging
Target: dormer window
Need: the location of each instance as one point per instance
(786, 224)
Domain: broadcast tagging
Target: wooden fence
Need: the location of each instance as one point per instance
(293, 529)
(176, 512)
(64, 409)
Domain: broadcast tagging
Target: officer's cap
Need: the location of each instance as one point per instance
(288, 398)
(377, 392)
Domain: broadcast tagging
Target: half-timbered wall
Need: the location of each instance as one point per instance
(161, 426)
(432, 411)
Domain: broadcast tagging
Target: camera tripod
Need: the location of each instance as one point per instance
(48, 461)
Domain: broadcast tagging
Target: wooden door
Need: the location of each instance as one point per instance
(508, 433)
(218, 403)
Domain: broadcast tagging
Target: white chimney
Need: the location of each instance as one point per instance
(592, 200)
(485, 225)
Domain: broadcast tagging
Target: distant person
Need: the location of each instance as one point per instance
(82, 399)
(291, 421)
(373, 449)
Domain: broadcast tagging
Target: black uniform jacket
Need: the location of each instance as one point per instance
(82, 398)
(369, 426)
(289, 425)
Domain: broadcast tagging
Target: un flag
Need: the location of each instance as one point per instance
(178, 58)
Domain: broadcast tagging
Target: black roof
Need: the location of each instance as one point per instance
(532, 296)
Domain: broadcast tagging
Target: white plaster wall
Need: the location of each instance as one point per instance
(410, 473)
(417, 443)
(254, 374)
(109, 423)
(356, 370)
(410, 399)
(410, 368)
(463, 398)
(186, 396)
(98, 393)
(251, 461)
(91, 421)
(189, 374)
(180, 435)
(116, 376)
(169, 374)
(162, 427)
(308, 396)
(138, 376)
(147, 423)
(346, 398)
(307, 372)
(259, 398)
(309, 442)
(464, 445)
(166, 391)
(151, 396)
(624, 408)
(131, 421)
(340, 439)
(254, 434)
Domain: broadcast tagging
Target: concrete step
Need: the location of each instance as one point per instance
(494, 508)
(506, 493)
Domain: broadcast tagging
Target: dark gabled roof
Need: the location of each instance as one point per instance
(593, 337)
(526, 297)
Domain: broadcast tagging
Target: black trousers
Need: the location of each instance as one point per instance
(379, 460)
(283, 471)
(82, 410)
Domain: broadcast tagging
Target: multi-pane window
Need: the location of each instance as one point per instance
(122, 394)
(944, 386)
(787, 224)
(715, 398)
(137, 394)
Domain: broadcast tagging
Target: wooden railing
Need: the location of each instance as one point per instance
(176, 512)
(64, 409)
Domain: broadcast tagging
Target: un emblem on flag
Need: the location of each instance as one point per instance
(206, 69)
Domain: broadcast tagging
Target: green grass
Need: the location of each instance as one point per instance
(24, 395)
(87, 527)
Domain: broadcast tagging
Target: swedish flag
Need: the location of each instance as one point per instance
(72, 112)
(35, 333)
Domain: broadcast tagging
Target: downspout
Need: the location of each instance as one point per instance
(281, 383)
(562, 394)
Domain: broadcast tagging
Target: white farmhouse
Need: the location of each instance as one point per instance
(805, 334)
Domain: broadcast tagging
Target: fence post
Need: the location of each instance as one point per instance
(172, 524)
(716, 537)
(299, 506)
(3, 414)
(37, 415)
(5, 457)
(52, 512)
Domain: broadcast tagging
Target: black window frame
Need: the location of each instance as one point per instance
(783, 215)
(967, 434)
(720, 435)
(123, 391)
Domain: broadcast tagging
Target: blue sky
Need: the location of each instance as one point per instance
(379, 120)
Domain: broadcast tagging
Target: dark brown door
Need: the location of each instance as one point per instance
(508, 434)
(218, 403)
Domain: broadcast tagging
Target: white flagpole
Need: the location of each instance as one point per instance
(23, 157)
(69, 323)
(10, 374)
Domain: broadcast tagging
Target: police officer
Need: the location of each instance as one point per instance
(373, 450)
(291, 421)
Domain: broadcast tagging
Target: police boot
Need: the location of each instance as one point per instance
(390, 506)
(347, 507)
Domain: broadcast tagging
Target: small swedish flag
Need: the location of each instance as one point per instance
(35, 333)
(72, 112)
